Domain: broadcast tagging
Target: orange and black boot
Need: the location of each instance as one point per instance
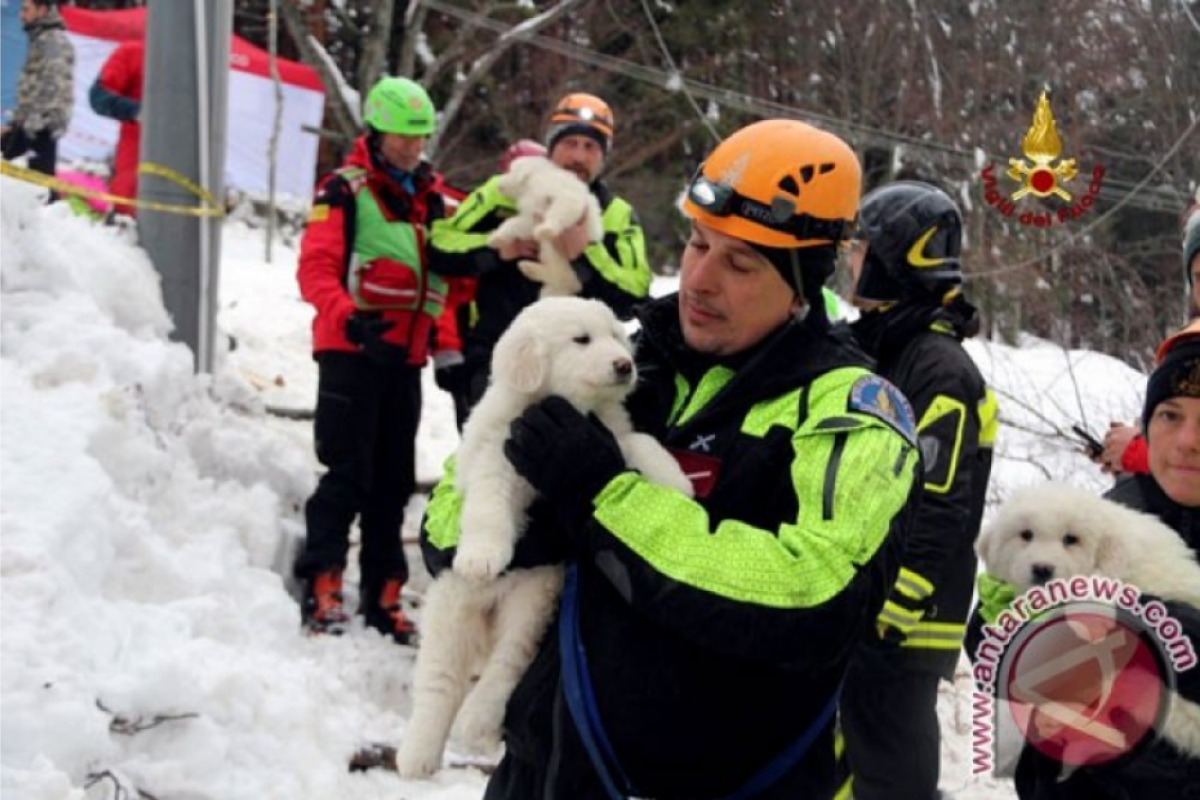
(384, 613)
(322, 611)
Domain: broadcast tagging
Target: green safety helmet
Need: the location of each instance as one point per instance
(401, 106)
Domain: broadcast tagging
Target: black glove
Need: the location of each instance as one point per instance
(15, 142)
(449, 372)
(366, 329)
(567, 457)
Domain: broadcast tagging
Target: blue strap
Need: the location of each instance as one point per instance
(791, 755)
(577, 687)
(581, 701)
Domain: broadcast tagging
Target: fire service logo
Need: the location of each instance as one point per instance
(1042, 174)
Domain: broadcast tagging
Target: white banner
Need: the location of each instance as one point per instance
(248, 135)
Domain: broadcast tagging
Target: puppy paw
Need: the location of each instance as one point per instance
(482, 560)
(546, 232)
(416, 758)
(536, 271)
(477, 729)
(647, 456)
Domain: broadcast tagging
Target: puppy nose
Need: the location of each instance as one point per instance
(1042, 573)
(623, 367)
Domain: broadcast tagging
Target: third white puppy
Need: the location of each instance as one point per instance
(474, 615)
(1059, 531)
(550, 200)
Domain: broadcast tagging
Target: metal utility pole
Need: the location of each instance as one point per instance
(276, 123)
(183, 130)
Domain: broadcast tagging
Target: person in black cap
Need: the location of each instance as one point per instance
(1170, 491)
(1124, 445)
(907, 276)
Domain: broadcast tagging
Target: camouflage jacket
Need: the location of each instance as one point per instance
(45, 88)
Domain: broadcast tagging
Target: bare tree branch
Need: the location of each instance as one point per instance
(344, 118)
(120, 790)
(483, 64)
(127, 726)
(373, 56)
(414, 26)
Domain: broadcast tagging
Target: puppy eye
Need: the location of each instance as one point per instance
(1070, 539)
(582, 339)
(1027, 536)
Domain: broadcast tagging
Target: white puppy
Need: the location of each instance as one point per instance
(550, 200)
(566, 346)
(1059, 531)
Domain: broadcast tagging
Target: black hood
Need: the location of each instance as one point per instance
(794, 354)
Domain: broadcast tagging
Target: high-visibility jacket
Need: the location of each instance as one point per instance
(364, 249)
(718, 628)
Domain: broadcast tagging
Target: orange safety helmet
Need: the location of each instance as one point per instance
(583, 114)
(778, 184)
(1187, 333)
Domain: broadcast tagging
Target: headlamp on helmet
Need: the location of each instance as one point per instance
(584, 115)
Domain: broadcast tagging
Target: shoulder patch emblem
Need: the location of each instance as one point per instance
(319, 213)
(878, 397)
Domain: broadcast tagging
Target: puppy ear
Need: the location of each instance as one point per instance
(985, 545)
(1112, 555)
(519, 360)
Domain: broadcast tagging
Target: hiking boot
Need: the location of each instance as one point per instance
(385, 614)
(322, 610)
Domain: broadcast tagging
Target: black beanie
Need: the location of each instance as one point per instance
(805, 269)
(580, 128)
(1177, 376)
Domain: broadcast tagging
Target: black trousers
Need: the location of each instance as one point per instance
(43, 146)
(366, 436)
(888, 717)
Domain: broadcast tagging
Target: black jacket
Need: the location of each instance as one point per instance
(919, 349)
(704, 665)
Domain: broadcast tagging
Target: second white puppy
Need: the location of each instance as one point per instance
(550, 200)
(1056, 531)
(473, 615)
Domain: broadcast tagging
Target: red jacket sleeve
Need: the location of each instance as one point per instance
(447, 336)
(122, 72)
(1136, 457)
(323, 258)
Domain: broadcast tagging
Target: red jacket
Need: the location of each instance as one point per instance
(328, 245)
(122, 75)
(448, 334)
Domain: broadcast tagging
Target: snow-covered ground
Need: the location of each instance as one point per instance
(147, 520)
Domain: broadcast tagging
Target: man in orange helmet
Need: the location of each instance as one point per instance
(579, 137)
(701, 642)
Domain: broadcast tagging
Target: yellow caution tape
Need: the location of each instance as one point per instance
(208, 207)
